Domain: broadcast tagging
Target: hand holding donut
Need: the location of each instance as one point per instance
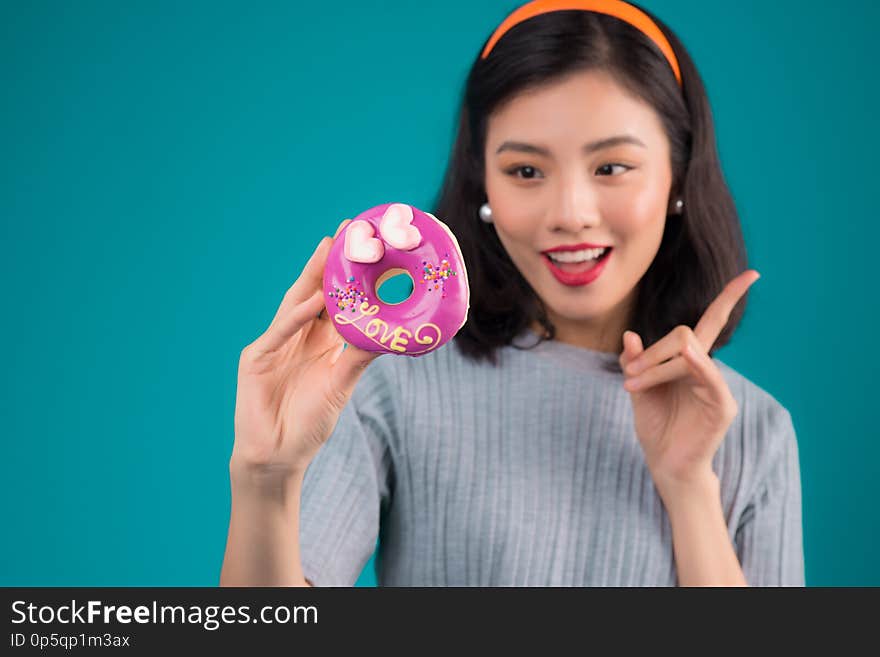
(681, 402)
(294, 380)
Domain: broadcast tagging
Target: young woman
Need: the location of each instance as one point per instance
(577, 431)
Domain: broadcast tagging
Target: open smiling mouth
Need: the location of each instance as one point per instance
(577, 267)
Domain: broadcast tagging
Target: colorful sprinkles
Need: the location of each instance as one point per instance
(349, 298)
(436, 275)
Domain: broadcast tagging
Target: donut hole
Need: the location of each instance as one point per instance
(395, 286)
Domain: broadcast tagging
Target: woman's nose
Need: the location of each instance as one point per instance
(575, 207)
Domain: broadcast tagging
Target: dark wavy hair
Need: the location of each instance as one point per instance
(701, 249)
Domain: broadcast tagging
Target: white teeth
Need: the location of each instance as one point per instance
(576, 256)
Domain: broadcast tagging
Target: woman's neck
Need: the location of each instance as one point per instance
(605, 335)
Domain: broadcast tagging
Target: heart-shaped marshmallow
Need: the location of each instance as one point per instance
(396, 227)
(360, 245)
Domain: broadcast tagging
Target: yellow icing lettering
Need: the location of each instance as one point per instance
(399, 342)
(374, 326)
(366, 311)
(399, 336)
(427, 339)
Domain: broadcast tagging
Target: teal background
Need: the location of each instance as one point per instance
(169, 167)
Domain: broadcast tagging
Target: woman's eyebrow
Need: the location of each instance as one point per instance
(591, 147)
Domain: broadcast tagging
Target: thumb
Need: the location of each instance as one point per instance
(348, 368)
(632, 347)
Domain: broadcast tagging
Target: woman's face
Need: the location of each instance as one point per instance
(576, 163)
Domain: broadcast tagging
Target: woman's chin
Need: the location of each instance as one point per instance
(563, 310)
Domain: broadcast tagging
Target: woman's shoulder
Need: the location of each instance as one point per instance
(764, 426)
(395, 390)
(392, 372)
(401, 379)
(751, 397)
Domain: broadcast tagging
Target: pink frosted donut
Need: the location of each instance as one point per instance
(384, 241)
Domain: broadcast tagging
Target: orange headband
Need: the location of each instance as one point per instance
(622, 10)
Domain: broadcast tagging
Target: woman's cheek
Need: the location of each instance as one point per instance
(518, 220)
(639, 225)
(631, 210)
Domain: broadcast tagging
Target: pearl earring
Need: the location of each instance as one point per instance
(486, 213)
(679, 204)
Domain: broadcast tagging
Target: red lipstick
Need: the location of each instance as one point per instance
(576, 247)
(585, 273)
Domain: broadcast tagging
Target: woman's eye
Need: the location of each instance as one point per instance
(527, 171)
(606, 169)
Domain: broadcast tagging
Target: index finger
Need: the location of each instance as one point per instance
(335, 235)
(302, 300)
(341, 226)
(312, 274)
(715, 318)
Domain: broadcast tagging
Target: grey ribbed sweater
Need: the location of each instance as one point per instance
(529, 474)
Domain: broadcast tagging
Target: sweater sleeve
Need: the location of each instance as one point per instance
(769, 537)
(348, 484)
